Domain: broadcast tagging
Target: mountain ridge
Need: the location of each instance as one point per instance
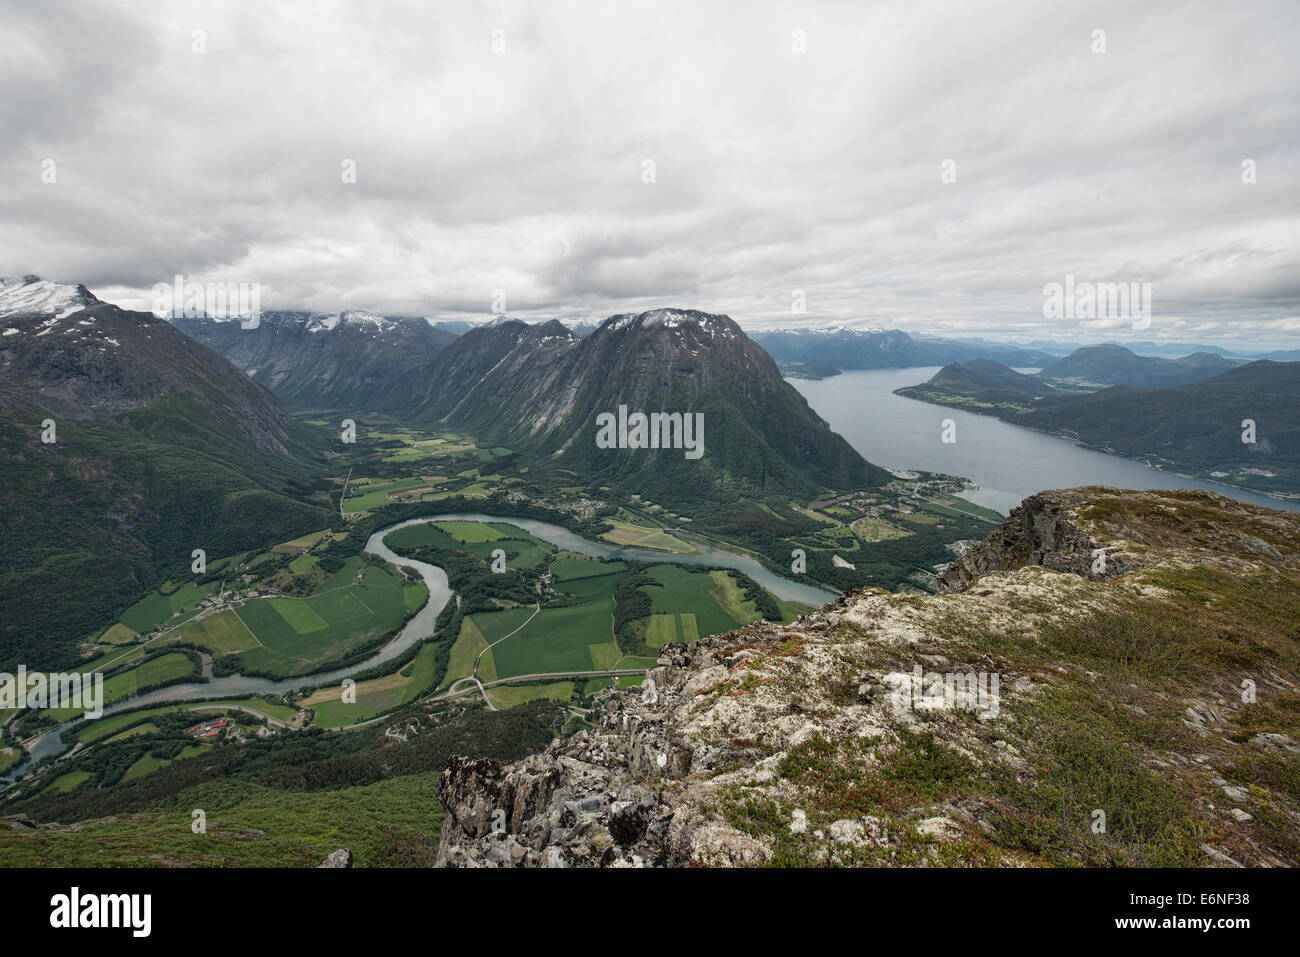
(815, 743)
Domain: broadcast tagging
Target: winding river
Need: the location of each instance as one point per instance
(420, 625)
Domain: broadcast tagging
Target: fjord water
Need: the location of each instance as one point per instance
(1006, 461)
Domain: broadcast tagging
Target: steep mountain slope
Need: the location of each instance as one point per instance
(541, 388)
(887, 349)
(1143, 715)
(160, 446)
(352, 360)
(1115, 365)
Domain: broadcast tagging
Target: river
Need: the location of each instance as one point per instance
(1007, 462)
(420, 625)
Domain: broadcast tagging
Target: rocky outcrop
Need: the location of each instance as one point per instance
(1040, 531)
(340, 858)
(1060, 701)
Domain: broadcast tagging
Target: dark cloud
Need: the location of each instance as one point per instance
(775, 171)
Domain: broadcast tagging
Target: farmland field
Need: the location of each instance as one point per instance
(688, 593)
(507, 696)
(297, 635)
(625, 534)
(376, 695)
(557, 639)
(220, 634)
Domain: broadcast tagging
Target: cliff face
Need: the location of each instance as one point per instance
(1037, 713)
(1040, 531)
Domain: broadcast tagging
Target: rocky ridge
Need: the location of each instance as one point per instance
(1146, 715)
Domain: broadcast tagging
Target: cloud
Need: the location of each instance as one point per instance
(774, 171)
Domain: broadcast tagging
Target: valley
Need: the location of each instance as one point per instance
(269, 633)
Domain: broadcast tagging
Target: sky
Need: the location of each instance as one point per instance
(800, 159)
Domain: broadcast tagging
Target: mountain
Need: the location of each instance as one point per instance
(1146, 347)
(887, 349)
(980, 384)
(540, 388)
(987, 726)
(351, 360)
(1096, 366)
(1195, 428)
(160, 446)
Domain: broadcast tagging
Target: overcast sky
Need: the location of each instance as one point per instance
(522, 169)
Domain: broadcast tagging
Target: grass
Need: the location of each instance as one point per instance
(469, 644)
(395, 822)
(473, 532)
(566, 569)
(375, 696)
(303, 563)
(66, 782)
(507, 696)
(297, 635)
(638, 536)
(558, 639)
(300, 544)
(732, 599)
(375, 494)
(156, 607)
(164, 669)
(661, 630)
(116, 635)
(148, 727)
(688, 593)
(220, 634)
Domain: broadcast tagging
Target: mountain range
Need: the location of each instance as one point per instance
(125, 445)
(541, 388)
(1177, 414)
(887, 349)
(349, 360)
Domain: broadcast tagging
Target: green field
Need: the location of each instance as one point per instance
(155, 608)
(221, 634)
(574, 638)
(569, 569)
(507, 696)
(147, 727)
(297, 635)
(147, 763)
(477, 538)
(688, 593)
(116, 635)
(376, 696)
(469, 644)
(303, 563)
(365, 496)
(167, 668)
(470, 532)
(67, 782)
(641, 537)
